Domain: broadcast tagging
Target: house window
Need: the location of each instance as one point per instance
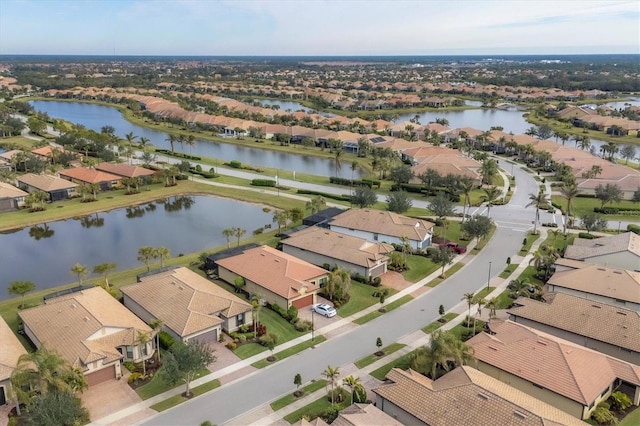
(240, 319)
(323, 281)
(145, 351)
(375, 237)
(129, 352)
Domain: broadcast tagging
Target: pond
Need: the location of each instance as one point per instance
(44, 253)
(94, 117)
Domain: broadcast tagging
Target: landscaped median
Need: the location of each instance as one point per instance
(383, 309)
(290, 351)
(370, 359)
(312, 387)
(179, 399)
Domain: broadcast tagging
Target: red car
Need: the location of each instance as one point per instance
(458, 249)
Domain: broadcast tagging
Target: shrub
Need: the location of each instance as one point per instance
(268, 339)
(605, 210)
(292, 313)
(340, 197)
(263, 182)
(550, 225)
(372, 182)
(261, 329)
(235, 164)
(129, 365)
(280, 311)
(303, 325)
(258, 231)
(633, 228)
(619, 401)
(166, 341)
(587, 236)
(198, 168)
(135, 377)
(231, 346)
(603, 415)
(377, 281)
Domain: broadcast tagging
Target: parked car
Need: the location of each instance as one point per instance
(324, 310)
(456, 248)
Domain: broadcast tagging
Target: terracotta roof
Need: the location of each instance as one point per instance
(46, 183)
(124, 170)
(466, 396)
(281, 273)
(10, 191)
(599, 321)
(567, 369)
(364, 415)
(9, 154)
(84, 326)
(10, 350)
(88, 175)
(186, 302)
(582, 248)
(615, 283)
(384, 222)
(354, 250)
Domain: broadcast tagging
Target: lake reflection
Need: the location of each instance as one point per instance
(45, 253)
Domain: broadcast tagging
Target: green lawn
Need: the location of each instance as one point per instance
(484, 292)
(507, 271)
(531, 238)
(581, 205)
(437, 324)
(370, 359)
(452, 233)
(528, 275)
(389, 307)
(289, 352)
(361, 298)
(632, 419)
(460, 330)
(157, 386)
(179, 399)
(290, 398)
(455, 268)
(403, 362)
(18, 142)
(419, 267)
(316, 409)
(504, 301)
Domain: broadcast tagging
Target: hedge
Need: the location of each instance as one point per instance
(586, 196)
(349, 182)
(166, 341)
(587, 236)
(208, 175)
(263, 182)
(373, 182)
(340, 197)
(409, 187)
(633, 228)
(178, 154)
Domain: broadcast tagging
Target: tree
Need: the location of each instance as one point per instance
(157, 325)
(316, 204)
(610, 193)
(352, 383)
(144, 142)
(130, 138)
(401, 174)
(443, 256)
(21, 288)
(538, 200)
(163, 253)
(256, 306)
(238, 283)
(628, 152)
(142, 338)
(281, 218)
(81, 271)
(297, 380)
(57, 409)
(491, 194)
(430, 178)
(363, 197)
(441, 310)
(488, 170)
(183, 362)
(477, 227)
(45, 371)
(228, 233)
(444, 352)
(105, 269)
(398, 202)
(379, 344)
(337, 157)
(239, 232)
(441, 205)
(172, 139)
(145, 255)
(568, 192)
(469, 298)
(636, 196)
(338, 284)
(492, 304)
(332, 375)
(465, 185)
(593, 222)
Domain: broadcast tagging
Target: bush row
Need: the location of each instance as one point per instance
(587, 236)
(208, 175)
(349, 182)
(179, 154)
(616, 210)
(550, 225)
(340, 197)
(263, 182)
(633, 228)
(370, 281)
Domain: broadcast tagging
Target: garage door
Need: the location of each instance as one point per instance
(102, 375)
(210, 336)
(303, 302)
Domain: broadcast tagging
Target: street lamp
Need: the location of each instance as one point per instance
(312, 325)
(619, 223)
(489, 277)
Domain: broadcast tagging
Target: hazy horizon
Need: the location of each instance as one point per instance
(318, 28)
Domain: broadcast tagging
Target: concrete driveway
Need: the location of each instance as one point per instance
(109, 397)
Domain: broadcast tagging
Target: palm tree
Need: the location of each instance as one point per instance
(104, 269)
(142, 338)
(569, 192)
(81, 271)
(444, 352)
(172, 139)
(144, 142)
(338, 158)
(469, 298)
(130, 138)
(352, 383)
(491, 195)
(281, 217)
(239, 232)
(163, 253)
(492, 304)
(316, 204)
(228, 233)
(145, 255)
(157, 325)
(465, 185)
(537, 200)
(191, 142)
(332, 375)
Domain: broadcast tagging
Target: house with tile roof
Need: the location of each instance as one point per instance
(616, 251)
(125, 170)
(190, 306)
(567, 376)
(608, 329)
(11, 198)
(383, 226)
(279, 278)
(321, 246)
(57, 188)
(83, 175)
(10, 351)
(91, 330)
(364, 415)
(464, 396)
(617, 287)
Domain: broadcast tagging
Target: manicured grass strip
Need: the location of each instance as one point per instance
(157, 386)
(360, 297)
(484, 292)
(455, 268)
(391, 306)
(460, 330)
(528, 275)
(290, 398)
(290, 351)
(370, 359)
(483, 242)
(419, 267)
(315, 409)
(403, 362)
(504, 301)
(437, 324)
(507, 271)
(531, 238)
(632, 418)
(179, 399)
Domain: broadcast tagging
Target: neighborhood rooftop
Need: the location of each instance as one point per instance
(10, 350)
(46, 182)
(384, 223)
(583, 248)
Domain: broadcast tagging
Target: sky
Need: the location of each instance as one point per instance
(318, 27)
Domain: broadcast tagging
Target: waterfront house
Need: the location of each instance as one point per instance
(10, 351)
(57, 188)
(83, 175)
(11, 198)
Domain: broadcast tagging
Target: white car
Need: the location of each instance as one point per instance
(324, 309)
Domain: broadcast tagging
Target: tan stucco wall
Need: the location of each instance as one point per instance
(397, 413)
